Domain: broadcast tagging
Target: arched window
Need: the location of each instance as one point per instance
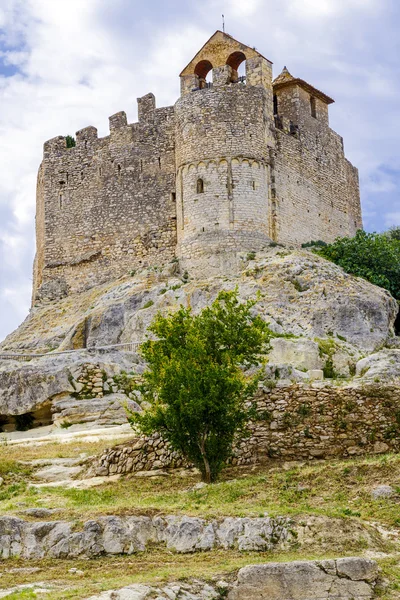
(313, 107)
(202, 69)
(237, 61)
(200, 186)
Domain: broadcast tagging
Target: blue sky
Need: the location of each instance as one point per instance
(66, 64)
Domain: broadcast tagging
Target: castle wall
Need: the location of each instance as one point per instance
(316, 187)
(108, 203)
(222, 139)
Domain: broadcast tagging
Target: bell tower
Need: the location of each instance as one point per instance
(224, 132)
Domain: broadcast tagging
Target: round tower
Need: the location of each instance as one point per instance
(223, 141)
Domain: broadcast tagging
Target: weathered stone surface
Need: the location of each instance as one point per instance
(302, 580)
(109, 410)
(24, 387)
(131, 534)
(301, 354)
(56, 473)
(344, 579)
(128, 535)
(382, 491)
(380, 367)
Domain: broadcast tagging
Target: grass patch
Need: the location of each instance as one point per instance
(154, 568)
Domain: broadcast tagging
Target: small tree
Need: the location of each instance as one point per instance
(195, 382)
(70, 141)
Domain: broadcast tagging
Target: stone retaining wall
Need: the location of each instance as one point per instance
(296, 422)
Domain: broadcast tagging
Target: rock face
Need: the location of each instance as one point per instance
(345, 578)
(336, 320)
(113, 535)
(127, 535)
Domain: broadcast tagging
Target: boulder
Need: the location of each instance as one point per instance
(109, 410)
(347, 578)
(382, 491)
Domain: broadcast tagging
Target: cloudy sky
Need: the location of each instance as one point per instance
(66, 64)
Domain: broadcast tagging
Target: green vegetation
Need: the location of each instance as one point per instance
(373, 256)
(71, 143)
(194, 382)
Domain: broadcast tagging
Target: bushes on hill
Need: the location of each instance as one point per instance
(194, 383)
(373, 256)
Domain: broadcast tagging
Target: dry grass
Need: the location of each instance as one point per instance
(155, 568)
(334, 488)
(340, 488)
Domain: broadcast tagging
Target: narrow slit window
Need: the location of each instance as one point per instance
(61, 200)
(119, 170)
(159, 162)
(313, 107)
(200, 186)
(275, 104)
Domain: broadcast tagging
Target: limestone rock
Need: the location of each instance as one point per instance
(24, 387)
(380, 367)
(382, 491)
(131, 592)
(109, 410)
(301, 354)
(356, 315)
(306, 580)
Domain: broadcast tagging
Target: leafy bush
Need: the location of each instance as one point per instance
(373, 256)
(194, 383)
(70, 141)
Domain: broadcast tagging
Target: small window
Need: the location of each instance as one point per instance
(200, 186)
(173, 196)
(119, 170)
(313, 107)
(253, 184)
(61, 199)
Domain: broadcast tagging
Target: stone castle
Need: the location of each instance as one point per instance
(238, 162)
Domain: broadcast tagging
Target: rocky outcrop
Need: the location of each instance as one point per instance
(299, 293)
(128, 535)
(334, 320)
(345, 578)
(111, 535)
(69, 382)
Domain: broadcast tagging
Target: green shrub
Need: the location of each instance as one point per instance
(373, 256)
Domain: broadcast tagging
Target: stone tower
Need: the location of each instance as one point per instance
(224, 135)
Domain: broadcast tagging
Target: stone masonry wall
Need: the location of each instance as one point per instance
(295, 423)
(221, 172)
(314, 185)
(107, 205)
(222, 139)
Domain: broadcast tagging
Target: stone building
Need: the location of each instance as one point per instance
(239, 162)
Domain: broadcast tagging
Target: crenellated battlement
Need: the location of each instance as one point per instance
(240, 161)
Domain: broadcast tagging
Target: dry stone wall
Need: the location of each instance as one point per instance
(296, 422)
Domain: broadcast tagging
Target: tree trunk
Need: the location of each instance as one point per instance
(207, 470)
